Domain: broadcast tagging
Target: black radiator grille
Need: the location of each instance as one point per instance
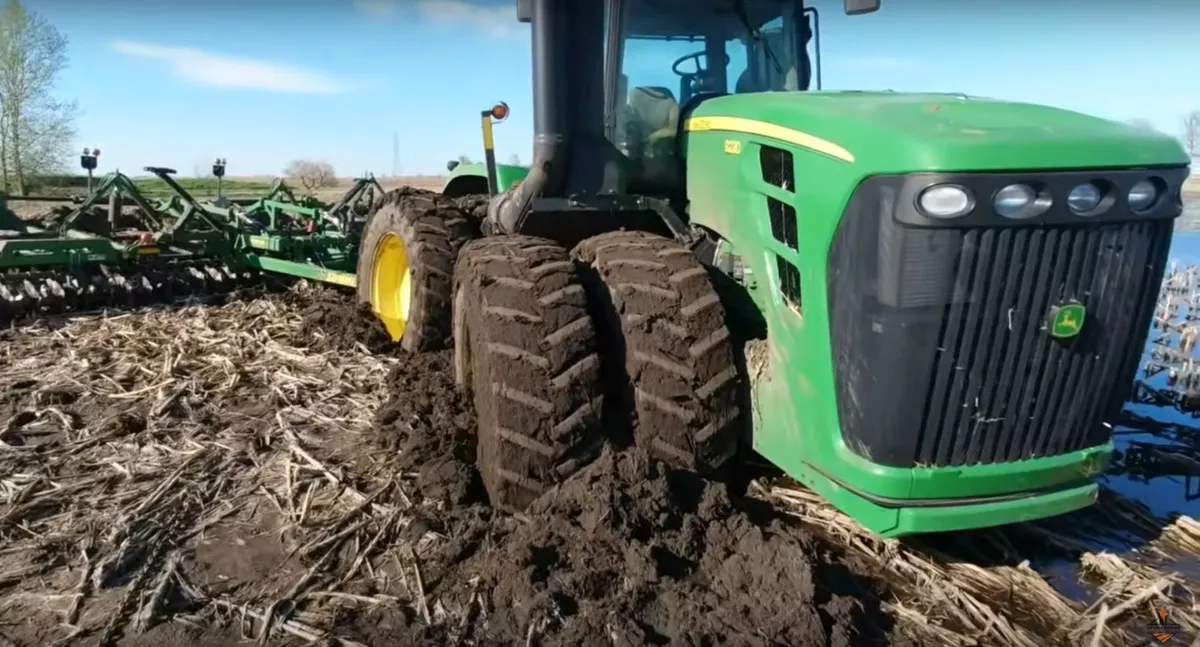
(1001, 388)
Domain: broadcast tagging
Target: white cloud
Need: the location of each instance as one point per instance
(493, 19)
(220, 71)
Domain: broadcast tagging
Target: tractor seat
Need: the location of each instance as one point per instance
(656, 112)
(745, 83)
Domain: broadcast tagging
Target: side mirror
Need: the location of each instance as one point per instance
(525, 10)
(451, 165)
(859, 7)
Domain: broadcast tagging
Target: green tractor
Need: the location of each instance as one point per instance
(925, 307)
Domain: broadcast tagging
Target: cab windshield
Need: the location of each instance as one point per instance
(664, 57)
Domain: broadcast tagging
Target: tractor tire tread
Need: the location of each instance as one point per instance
(425, 225)
(535, 365)
(461, 226)
(672, 357)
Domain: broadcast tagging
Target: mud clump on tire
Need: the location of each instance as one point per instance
(333, 320)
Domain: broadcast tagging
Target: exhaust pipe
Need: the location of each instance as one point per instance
(507, 211)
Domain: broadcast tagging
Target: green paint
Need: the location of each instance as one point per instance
(464, 179)
(795, 416)
(1066, 320)
(187, 229)
(302, 270)
(891, 132)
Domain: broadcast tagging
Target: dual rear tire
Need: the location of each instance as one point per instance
(544, 337)
(561, 350)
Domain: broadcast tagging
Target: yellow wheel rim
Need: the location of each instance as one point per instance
(391, 285)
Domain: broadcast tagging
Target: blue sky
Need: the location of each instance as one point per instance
(262, 82)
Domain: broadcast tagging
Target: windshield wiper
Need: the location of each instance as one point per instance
(739, 10)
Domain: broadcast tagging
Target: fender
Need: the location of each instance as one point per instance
(469, 179)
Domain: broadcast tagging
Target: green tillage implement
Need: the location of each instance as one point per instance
(102, 253)
(302, 238)
(345, 215)
(96, 256)
(305, 242)
(925, 307)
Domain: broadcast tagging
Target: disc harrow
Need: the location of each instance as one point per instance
(118, 249)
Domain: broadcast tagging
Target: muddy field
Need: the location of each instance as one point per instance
(272, 470)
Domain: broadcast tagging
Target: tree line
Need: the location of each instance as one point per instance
(36, 127)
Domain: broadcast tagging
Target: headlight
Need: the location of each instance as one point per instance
(1142, 196)
(945, 201)
(1016, 201)
(1084, 198)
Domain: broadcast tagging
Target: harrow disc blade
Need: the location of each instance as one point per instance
(29, 295)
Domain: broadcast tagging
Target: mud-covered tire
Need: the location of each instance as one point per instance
(668, 355)
(525, 347)
(432, 230)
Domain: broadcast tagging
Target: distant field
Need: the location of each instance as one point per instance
(205, 188)
(232, 186)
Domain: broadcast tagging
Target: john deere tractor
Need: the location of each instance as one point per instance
(925, 307)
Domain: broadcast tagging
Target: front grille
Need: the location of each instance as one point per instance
(1001, 388)
(940, 350)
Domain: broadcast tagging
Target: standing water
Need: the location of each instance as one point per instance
(1163, 358)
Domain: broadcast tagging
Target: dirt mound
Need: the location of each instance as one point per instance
(650, 555)
(631, 553)
(333, 319)
(430, 426)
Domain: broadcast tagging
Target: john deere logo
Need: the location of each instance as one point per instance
(1066, 320)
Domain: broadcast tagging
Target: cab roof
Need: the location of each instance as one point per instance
(697, 18)
(687, 18)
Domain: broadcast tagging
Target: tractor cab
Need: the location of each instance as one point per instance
(614, 81)
(662, 59)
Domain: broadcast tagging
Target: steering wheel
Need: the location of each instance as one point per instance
(688, 79)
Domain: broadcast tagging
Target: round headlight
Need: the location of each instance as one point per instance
(1084, 198)
(1143, 195)
(1015, 201)
(945, 201)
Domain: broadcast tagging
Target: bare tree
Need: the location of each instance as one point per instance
(36, 129)
(514, 159)
(1191, 133)
(311, 174)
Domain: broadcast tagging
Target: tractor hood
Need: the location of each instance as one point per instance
(890, 132)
